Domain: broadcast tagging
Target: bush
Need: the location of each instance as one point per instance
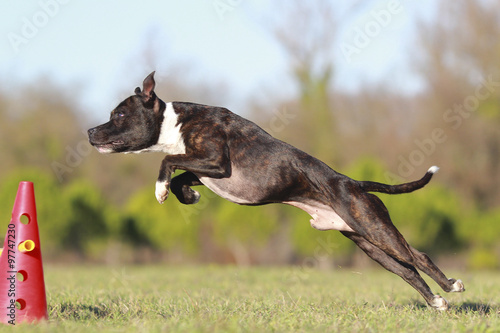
(430, 218)
(92, 221)
(481, 258)
(53, 210)
(310, 242)
(249, 226)
(165, 227)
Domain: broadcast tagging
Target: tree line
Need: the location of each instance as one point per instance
(102, 207)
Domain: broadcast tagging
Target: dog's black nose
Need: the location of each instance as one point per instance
(91, 131)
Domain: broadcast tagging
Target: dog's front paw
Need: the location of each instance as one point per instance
(161, 191)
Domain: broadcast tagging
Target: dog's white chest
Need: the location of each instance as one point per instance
(170, 140)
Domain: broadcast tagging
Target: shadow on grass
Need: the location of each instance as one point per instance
(80, 311)
(478, 308)
(420, 306)
(465, 308)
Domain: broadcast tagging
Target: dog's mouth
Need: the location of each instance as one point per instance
(108, 147)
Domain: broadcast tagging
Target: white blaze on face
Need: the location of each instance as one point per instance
(170, 140)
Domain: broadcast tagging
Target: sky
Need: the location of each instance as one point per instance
(97, 47)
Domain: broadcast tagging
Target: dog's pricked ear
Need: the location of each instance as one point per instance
(148, 86)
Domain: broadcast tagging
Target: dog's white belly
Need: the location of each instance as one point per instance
(323, 217)
(240, 190)
(236, 188)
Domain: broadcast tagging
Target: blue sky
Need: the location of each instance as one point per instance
(97, 45)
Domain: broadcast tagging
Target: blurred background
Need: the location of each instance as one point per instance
(379, 90)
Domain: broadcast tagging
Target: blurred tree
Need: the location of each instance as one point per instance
(459, 64)
(39, 129)
(306, 34)
(175, 80)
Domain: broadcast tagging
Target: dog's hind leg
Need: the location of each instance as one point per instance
(406, 271)
(383, 234)
(181, 187)
(425, 264)
(371, 221)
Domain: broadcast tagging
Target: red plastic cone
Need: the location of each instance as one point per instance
(22, 287)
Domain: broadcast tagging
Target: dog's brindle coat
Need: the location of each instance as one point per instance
(239, 161)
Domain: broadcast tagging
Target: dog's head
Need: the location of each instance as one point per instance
(134, 125)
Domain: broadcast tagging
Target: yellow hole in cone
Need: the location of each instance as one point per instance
(26, 246)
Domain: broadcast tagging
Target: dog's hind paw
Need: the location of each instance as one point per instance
(457, 286)
(161, 191)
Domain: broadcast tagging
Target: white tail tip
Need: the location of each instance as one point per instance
(433, 169)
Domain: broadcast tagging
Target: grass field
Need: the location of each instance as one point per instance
(231, 299)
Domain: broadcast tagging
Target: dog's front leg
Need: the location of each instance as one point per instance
(210, 165)
(162, 187)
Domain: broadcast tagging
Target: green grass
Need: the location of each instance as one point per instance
(230, 299)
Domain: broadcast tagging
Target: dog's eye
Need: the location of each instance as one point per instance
(120, 114)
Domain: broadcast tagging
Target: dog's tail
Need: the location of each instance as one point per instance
(401, 188)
